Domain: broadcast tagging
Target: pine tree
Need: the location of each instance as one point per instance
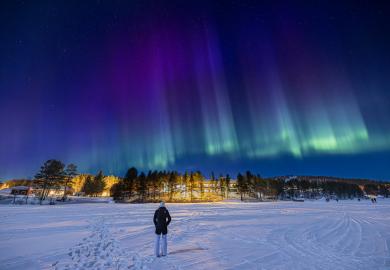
(51, 175)
(70, 173)
(201, 187)
(250, 185)
(88, 187)
(186, 183)
(192, 184)
(227, 184)
(129, 181)
(116, 191)
(98, 183)
(221, 185)
(141, 186)
(154, 183)
(241, 186)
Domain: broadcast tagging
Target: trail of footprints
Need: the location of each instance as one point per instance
(98, 251)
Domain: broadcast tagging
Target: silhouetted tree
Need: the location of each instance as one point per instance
(117, 190)
(186, 182)
(154, 183)
(50, 175)
(250, 183)
(221, 185)
(227, 184)
(192, 184)
(129, 181)
(70, 173)
(201, 187)
(142, 186)
(93, 186)
(88, 187)
(98, 183)
(241, 185)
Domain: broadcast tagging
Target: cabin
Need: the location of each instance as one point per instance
(60, 191)
(21, 190)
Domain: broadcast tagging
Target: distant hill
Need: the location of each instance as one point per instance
(15, 182)
(310, 178)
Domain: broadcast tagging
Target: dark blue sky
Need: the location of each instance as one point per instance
(224, 86)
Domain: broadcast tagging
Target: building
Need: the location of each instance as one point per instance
(21, 190)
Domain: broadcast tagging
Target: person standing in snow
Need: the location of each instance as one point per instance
(161, 220)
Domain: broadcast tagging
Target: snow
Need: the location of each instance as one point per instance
(20, 188)
(32, 199)
(229, 235)
(5, 191)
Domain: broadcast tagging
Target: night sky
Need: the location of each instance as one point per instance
(206, 85)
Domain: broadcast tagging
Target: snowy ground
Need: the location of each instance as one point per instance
(277, 235)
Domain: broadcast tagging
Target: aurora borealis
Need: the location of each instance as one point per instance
(208, 85)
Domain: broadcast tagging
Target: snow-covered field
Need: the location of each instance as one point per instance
(274, 235)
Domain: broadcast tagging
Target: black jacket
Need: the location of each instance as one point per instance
(161, 220)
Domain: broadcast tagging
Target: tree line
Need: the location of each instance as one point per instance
(54, 175)
(192, 186)
(170, 186)
(312, 189)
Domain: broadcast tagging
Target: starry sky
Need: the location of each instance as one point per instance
(223, 86)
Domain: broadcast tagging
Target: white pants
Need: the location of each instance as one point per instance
(164, 245)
